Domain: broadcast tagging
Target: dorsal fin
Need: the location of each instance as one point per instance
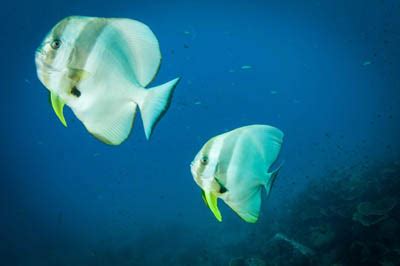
(268, 141)
(143, 48)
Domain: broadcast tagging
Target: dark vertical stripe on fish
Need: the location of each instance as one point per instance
(85, 42)
(56, 35)
(205, 153)
(225, 156)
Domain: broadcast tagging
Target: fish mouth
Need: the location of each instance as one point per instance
(195, 176)
(39, 54)
(39, 51)
(192, 169)
(41, 63)
(39, 58)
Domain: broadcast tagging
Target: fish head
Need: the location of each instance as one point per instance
(51, 58)
(53, 64)
(205, 169)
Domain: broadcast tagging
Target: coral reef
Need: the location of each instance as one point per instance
(350, 217)
(370, 213)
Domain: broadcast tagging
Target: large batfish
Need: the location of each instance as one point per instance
(99, 67)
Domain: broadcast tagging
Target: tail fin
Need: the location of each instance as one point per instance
(155, 103)
(271, 178)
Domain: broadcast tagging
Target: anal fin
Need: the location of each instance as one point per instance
(248, 208)
(110, 125)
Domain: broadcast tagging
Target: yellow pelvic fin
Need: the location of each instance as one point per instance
(203, 196)
(212, 202)
(58, 106)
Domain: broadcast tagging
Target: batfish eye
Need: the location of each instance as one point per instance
(204, 160)
(56, 44)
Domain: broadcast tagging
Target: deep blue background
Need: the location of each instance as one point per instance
(325, 72)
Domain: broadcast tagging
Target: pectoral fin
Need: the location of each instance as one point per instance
(212, 202)
(77, 75)
(222, 188)
(58, 105)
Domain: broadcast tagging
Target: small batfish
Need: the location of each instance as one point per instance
(235, 166)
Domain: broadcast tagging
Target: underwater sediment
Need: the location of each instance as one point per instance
(349, 217)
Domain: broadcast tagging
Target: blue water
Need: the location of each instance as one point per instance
(324, 72)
